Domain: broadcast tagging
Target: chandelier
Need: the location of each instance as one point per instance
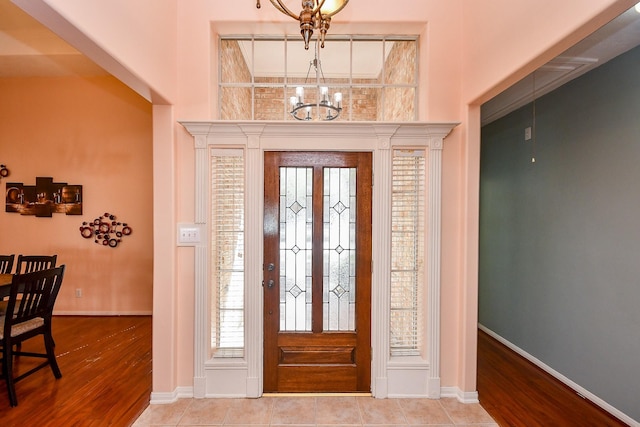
(325, 108)
(315, 14)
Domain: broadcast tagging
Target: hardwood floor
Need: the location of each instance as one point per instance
(106, 375)
(106, 381)
(517, 393)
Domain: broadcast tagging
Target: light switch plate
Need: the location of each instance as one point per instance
(188, 235)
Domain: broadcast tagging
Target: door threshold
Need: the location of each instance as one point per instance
(316, 394)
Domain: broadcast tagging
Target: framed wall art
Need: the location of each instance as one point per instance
(44, 199)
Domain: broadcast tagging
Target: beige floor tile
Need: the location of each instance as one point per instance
(380, 411)
(206, 412)
(339, 425)
(164, 415)
(329, 411)
(294, 411)
(337, 411)
(465, 413)
(250, 411)
(424, 411)
(385, 425)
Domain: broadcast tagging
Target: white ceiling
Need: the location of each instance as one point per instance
(613, 39)
(28, 49)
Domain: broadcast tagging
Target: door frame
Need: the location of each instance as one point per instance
(417, 376)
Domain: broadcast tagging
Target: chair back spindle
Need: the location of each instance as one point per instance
(31, 263)
(6, 263)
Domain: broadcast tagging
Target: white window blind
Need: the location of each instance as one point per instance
(407, 252)
(227, 252)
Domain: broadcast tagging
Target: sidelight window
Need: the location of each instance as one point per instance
(227, 252)
(407, 252)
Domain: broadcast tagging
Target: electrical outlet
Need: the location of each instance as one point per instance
(527, 133)
(78, 293)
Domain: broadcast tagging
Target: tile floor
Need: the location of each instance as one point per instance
(316, 411)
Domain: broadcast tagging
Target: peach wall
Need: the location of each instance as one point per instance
(134, 40)
(469, 51)
(96, 133)
(505, 40)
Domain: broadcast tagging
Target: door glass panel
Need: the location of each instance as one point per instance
(339, 249)
(296, 220)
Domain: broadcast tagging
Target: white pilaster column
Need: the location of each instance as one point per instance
(201, 294)
(433, 264)
(253, 259)
(381, 254)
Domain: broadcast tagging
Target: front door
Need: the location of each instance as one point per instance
(317, 272)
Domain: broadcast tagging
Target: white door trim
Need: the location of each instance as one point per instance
(391, 377)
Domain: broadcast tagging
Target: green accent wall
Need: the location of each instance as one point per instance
(559, 272)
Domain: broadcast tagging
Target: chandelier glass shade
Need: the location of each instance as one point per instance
(315, 15)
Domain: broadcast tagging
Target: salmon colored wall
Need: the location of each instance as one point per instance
(505, 40)
(135, 40)
(96, 133)
(470, 49)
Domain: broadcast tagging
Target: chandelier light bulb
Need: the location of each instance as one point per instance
(324, 94)
(337, 99)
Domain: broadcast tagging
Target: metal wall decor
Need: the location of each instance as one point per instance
(105, 230)
(44, 199)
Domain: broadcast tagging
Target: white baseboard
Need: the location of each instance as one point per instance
(160, 398)
(576, 387)
(101, 313)
(163, 398)
(462, 396)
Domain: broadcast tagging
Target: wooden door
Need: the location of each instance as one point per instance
(317, 272)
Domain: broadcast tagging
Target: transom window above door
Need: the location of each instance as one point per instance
(376, 77)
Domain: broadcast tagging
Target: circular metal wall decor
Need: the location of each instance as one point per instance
(105, 230)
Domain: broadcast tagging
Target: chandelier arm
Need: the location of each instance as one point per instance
(317, 9)
(278, 4)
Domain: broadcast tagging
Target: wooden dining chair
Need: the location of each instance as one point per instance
(6, 266)
(30, 263)
(6, 263)
(31, 317)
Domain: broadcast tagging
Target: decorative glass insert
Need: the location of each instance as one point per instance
(339, 249)
(407, 252)
(296, 232)
(227, 252)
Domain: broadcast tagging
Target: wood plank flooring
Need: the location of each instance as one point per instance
(106, 375)
(106, 381)
(517, 393)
